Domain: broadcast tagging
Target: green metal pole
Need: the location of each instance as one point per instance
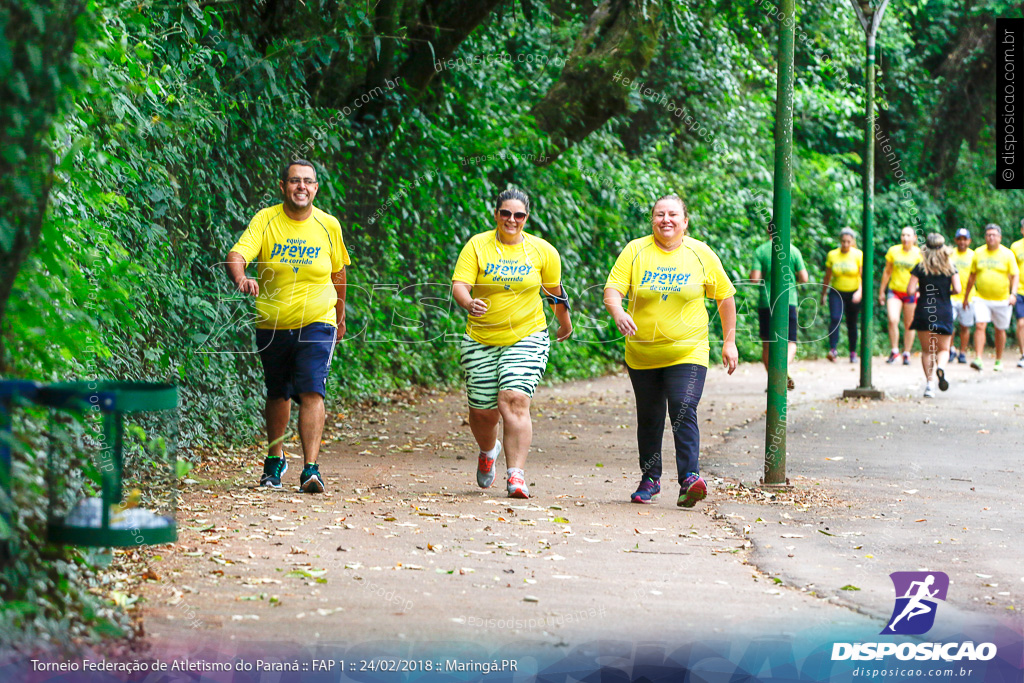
(867, 337)
(782, 270)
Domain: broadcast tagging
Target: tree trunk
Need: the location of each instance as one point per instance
(617, 43)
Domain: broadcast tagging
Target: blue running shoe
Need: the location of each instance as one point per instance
(273, 468)
(962, 359)
(692, 490)
(647, 490)
(310, 480)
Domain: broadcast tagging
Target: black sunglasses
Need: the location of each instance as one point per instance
(506, 214)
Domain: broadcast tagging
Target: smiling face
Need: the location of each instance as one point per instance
(510, 218)
(299, 189)
(669, 221)
(962, 243)
(846, 243)
(908, 237)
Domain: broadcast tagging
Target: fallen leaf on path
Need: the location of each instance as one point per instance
(849, 587)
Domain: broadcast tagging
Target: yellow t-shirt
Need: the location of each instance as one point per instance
(963, 264)
(845, 268)
(666, 292)
(902, 263)
(509, 277)
(994, 269)
(296, 259)
(1018, 251)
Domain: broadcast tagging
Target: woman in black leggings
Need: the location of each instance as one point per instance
(843, 285)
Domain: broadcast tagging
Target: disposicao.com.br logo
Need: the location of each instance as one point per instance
(917, 596)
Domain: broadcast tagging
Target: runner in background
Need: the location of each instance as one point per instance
(667, 277)
(936, 279)
(892, 293)
(963, 315)
(761, 270)
(995, 275)
(498, 280)
(842, 284)
(1018, 308)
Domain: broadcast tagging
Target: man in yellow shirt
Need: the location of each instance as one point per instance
(1018, 307)
(963, 314)
(995, 274)
(300, 313)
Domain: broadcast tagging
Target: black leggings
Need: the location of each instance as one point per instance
(838, 302)
(679, 388)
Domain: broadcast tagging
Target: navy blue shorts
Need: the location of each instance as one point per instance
(1018, 307)
(296, 361)
(764, 317)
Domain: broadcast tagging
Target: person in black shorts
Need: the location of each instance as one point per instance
(936, 278)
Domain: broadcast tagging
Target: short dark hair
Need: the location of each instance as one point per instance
(513, 193)
(295, 162)
(993, 226)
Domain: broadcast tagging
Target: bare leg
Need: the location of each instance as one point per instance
(276, 412)
(965, 343)
(514, 407)
(484, 424)
(927, 354)
(893, 306)
(1020, 336)
(1000, 343)
(311, 425)
(942, 344)
(764, 354)
(791, 351)
(979, 339)
(908, 334)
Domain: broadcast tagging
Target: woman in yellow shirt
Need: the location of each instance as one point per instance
(498, 280)
(843, 285)
(666, 277)
(899, 261)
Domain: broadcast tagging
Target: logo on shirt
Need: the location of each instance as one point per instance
(294, 253)
(664, 279)
(507, 270)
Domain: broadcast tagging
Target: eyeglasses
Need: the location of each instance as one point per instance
(304, 181)
(506, 214)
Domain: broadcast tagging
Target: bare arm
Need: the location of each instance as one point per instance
(825, 283)
(912, 286)
(613, 304)
(886, 275)
(727, 313)
(561, 314)
(235, 266)
(1014, 280)
(956, 284)
(969, 287)
(463, 293)
(340, 281)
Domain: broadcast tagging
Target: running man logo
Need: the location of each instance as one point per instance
(917, 596)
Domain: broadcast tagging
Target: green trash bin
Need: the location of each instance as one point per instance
(112, 501)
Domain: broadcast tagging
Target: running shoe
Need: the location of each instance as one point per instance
(943, 382)
(977, 364)
(906, 358)
(692, 490)
(273, 468)
(929, 392)
(1020, 363)
(517, 485)
(893, 355)
(952, 355)
(997, 366)
(962, 358)
(647, 490)
(485, 468)
(832, 355)
(853, 356)
(310, 480)
(790, 384)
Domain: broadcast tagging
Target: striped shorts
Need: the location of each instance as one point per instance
(490, 369)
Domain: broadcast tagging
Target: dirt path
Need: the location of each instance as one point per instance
(405, 547)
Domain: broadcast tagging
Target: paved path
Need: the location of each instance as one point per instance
(405, 547)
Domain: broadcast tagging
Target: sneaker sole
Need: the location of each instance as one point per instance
(943, 382)
(638, 499)
(519, 493)
(313, 485)
(487, 477)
